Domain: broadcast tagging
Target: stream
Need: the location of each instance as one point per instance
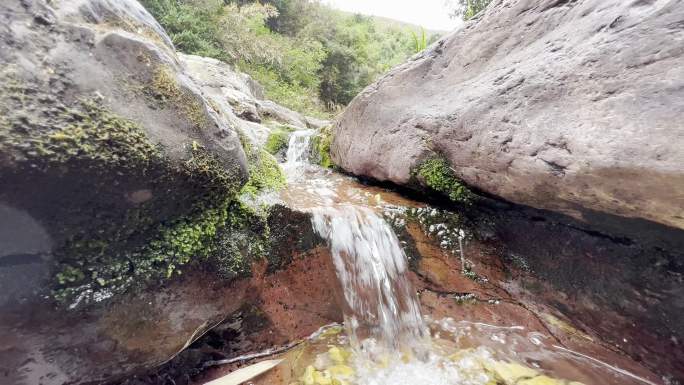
(386, 339)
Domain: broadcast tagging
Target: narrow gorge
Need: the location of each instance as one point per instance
(504, 208)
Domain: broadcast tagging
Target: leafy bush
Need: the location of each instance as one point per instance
(467, 9)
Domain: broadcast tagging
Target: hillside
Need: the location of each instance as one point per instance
(309, 57)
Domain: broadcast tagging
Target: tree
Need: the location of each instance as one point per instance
(467, 9)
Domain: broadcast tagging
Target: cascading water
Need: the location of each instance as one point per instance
(370, 264)
(371, 267)
(389, 341)
(298, 147)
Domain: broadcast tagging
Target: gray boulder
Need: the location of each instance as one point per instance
(118, 172)
(571, 106)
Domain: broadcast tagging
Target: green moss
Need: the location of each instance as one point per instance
(72, 166)
(166, 89)
(87, 133)
(438, 175)
(110, 260)
(244, 240)
(277, 141)
(321, 143)
(99, 268)
(264, 171)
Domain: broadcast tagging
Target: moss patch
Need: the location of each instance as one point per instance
(77, 167)
(165, 88)
(321, 144)
(264, 171)
(438, 175)
(277, 141)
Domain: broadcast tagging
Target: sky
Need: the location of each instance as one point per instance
(431, 14)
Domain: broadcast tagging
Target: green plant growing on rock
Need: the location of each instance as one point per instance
(277, 140)
(73, 165)
(165, 89)
(419, 41)
(245, 239)
(321, 143)
(438, 175)
(264, 171)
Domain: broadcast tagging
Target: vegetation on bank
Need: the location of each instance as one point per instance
(467, 9)
(309, 57)
(321, 144)
(437, 174)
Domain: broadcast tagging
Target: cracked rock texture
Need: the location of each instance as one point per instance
(570, 106)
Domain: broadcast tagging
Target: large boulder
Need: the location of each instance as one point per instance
(571, 106)
(109, 149)
(121, 231)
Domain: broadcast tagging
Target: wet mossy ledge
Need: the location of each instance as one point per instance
(121, 213)
(264, 171)
(278, 140)
(436, 174)
(321, 144)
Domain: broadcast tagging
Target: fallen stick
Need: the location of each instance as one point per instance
(245, 374)
(271, 351)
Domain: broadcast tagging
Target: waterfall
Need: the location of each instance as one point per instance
(369, 261)
(371, 267)
(299, 147)
(387, 340)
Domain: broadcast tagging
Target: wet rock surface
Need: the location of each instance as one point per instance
(159, 300)
(122, 238)
(582, 288)
(510, 277)
(570, 106)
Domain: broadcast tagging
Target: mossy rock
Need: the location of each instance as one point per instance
(278, 140)
(165, 88)
(436, 173)
(321, 144)
(120, 212)
(264, 171)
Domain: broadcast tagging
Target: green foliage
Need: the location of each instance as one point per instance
(307, 56)
(419, 43)
(467, 9)
(264, 171)
(192, 26)
(277, 141)
(321, 143)
(438, 175)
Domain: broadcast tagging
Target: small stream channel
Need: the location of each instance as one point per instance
(386, 338)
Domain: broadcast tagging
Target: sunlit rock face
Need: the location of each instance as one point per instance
(561, 105)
